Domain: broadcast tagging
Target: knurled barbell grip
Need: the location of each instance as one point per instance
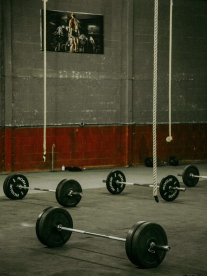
(71, 193)
(152, 186)
(60, 227)
(128, 183)
(37, 189)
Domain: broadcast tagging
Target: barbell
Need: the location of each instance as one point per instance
(146, 243)
(169, 186)
(191, 175)
(68, 192)
(173, 161)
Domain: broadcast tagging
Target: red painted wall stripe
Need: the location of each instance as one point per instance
(101, 146)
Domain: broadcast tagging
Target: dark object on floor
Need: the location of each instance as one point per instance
(73, 169)
(173, 161)
(149, 162)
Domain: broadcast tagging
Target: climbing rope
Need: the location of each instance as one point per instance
(169, 138)
(155, 102)
(45, 85)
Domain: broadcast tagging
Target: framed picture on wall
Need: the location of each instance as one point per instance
(72, 32)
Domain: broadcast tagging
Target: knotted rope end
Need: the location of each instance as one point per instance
(44, 157)
(169, 139)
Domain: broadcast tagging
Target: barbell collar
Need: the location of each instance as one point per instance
(60, 228)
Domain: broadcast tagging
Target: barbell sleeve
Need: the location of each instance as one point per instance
(178, 189)
(153, 245)
(200, 176)
(193, 175)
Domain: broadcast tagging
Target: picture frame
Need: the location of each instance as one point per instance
(73, 32)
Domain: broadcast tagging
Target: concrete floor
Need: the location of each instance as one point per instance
(184, 221)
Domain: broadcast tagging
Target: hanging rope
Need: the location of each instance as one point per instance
(155, 102)
(45, 85)
(169, 138)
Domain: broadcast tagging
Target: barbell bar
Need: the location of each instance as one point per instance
(146, 185)
(68, 192)
(146, 243)
(191, 175)
(169, 186)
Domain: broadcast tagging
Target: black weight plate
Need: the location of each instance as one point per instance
(37, 224)
(62, 193)
(173, 161)
(46, 230)
(6, 187)
(145, 234)
(129, 238)
(187, 176)
(149, 162)
(111, 185)
(165, 191)
(11, 183)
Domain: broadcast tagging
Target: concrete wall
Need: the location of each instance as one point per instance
(1, 67)
(80, 88)
(189, 61)
(110, 89)
(100, 88)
